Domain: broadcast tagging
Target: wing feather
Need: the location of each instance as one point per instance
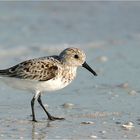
(35, 69)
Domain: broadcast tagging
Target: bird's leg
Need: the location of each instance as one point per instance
(52, 118)
(32, 107)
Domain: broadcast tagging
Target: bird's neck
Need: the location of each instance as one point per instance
(71, 69)
(69, 73)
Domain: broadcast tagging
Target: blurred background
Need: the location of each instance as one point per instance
(108, 32)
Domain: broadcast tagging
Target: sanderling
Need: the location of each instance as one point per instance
(46, 74)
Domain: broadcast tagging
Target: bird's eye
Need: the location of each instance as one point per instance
(76, 56)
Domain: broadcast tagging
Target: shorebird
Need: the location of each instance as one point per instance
(47, 73)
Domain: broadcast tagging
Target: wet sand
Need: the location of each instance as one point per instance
(102, 107)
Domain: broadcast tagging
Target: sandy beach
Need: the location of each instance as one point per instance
(102, 107)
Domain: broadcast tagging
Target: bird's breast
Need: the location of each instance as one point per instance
(68, 74)
(63, 79)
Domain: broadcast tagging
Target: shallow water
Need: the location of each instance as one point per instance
(109, 33)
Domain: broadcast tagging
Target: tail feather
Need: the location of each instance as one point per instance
(4, 72)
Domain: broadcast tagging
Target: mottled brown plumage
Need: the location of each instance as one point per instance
(42, 69)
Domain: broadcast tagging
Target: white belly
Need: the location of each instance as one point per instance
(52, 85)
(22, 84)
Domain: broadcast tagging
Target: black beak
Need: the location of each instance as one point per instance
(85, 65)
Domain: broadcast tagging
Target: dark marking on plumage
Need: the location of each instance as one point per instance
(13, 68)
(36, 69)
(42, 66)
(27, 69)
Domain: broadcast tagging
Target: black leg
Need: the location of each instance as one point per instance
(48, 114)
(32, 107)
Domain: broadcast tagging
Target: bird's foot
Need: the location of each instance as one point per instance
(34, 120)
(52, 118)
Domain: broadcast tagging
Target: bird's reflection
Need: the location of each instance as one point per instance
(39, 130)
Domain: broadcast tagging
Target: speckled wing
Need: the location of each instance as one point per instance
(36, 69)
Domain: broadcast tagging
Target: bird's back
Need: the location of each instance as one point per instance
(39, 69)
